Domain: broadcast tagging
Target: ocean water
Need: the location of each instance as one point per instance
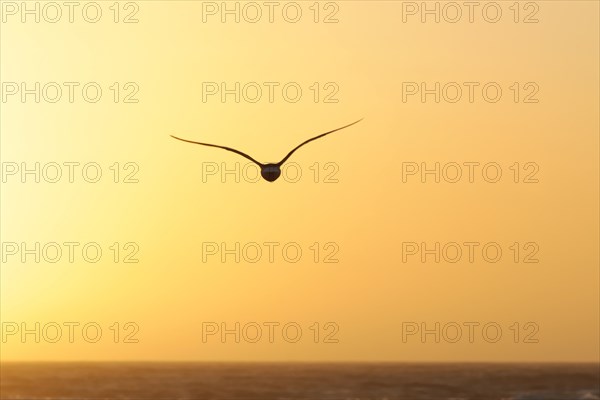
(179, 381)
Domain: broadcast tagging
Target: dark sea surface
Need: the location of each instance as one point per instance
(178, 381)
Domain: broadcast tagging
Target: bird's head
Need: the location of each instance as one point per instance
(270, 172)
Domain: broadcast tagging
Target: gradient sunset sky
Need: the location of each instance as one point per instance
(371, 293)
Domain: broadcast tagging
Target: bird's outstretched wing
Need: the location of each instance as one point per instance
(221, 147)
(315, 138)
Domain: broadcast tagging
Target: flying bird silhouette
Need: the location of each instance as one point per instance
(271, 171)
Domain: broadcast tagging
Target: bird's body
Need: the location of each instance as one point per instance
(271, 171)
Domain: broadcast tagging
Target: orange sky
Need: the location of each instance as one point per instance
(354, 202)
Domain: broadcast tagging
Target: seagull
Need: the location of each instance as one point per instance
(271, 171)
